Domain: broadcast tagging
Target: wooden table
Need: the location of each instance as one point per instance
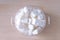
(9, 7)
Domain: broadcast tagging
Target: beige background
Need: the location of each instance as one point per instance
(9, 7)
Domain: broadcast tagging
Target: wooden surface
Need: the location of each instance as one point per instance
(9, 8)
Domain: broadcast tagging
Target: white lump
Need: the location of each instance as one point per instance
(30, 20)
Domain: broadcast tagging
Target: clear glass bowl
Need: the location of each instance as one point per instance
(29, 20)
